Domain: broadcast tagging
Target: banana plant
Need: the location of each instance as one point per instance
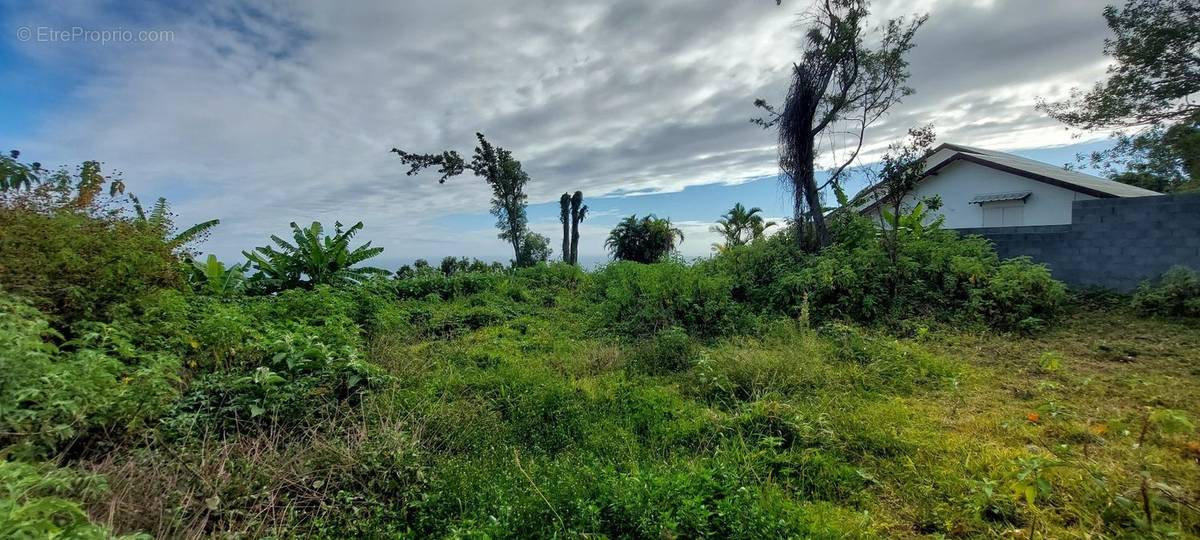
(312, 258)
(159, 218)
(214, 278)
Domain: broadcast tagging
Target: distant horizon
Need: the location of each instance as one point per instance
(259, 119)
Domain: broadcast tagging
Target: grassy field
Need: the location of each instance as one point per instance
(516, 417)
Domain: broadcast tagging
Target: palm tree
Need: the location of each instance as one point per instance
(564, 215)
(578, 213)
(739, 227)
(160, 218)
(312, 259)
(645, 240)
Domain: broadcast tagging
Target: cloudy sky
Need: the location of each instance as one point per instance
(276, 112)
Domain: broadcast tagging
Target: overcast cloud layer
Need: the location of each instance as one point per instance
(260, 116)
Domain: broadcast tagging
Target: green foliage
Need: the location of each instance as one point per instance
(159, 219)
(903, 167)
(650, 239)
(213, 278)
(503, 174)
(1162, 159)
(56, 190)
(1019, 295)
(37, 502)
(451, 265)
(670, 351)
(756, 270)
(535, 248)
(298, 379)
(1148, 83)
(1150, 86)
(932, 273)
(640, 300)
(76, 267)
(17, 175)
(313, 259)
(1176, 293)
(51, 395)
(739, 227)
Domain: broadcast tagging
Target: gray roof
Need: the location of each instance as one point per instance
(1068, 179)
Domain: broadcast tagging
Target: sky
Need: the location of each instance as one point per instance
(264, 113)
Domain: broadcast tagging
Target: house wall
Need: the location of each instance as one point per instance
(961, 181)
(1112, 243)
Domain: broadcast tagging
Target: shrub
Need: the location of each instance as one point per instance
(75, 266)
(755, 270)
(37, 502)
(644, 299)
(446, 287)
(935, 274)
(299, 379)
(1020, 295)
(1176, 293)
(50, 395)
(670, 351)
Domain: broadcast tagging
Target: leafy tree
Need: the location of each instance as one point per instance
(498, 168)
(839, 88)
(535, 248)
(312, 259)
(1150, 88)
(578, 212)
(50, 191)
(15, 175)
(739, 227)
(1159, 158)
(903, 167)
(645, 240)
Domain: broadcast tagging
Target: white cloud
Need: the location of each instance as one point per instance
(261, 116)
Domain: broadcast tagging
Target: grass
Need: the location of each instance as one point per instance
(508, 419)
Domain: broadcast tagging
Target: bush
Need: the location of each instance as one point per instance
(446, 287)
(755, 270)
(671, 351)
(299, 379)
(37, 502)
(1176, 293)
(75, 266)
(50, 396)
(1020, 295)
(645, 299)
(936, 274)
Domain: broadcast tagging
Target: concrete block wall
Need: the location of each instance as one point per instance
(1110, 243)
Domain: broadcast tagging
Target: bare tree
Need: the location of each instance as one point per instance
(840, 87)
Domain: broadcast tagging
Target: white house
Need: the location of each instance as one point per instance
(985, 188)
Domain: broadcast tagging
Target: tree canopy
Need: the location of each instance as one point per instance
(501, 171)
(645, 240)
(740, 226)
(1150, 88)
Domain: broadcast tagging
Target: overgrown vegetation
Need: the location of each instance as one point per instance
(839, 379)
(766, 392)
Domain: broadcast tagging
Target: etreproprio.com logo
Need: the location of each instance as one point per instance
(100, 36)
